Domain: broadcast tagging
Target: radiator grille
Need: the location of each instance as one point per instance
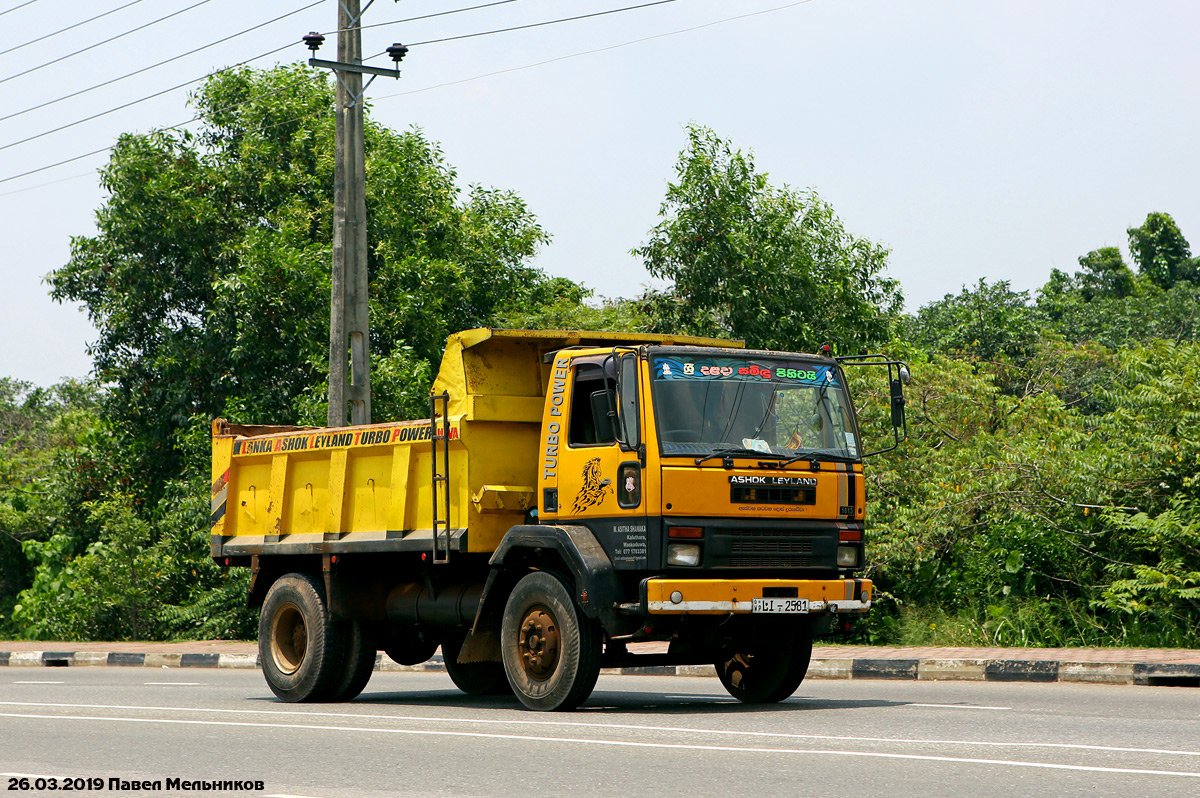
(771, 547)
(775, 533)
(770, 562)
(774, 495)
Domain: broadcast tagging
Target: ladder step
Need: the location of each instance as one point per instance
(439, 435)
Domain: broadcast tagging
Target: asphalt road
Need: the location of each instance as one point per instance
(414, 734)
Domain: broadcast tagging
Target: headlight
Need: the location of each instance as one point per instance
(683, 554)
(847, 556)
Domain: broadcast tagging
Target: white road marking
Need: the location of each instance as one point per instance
(955, 706)
(621, 743)
(39, 682)
(520, 721)
(174, 684)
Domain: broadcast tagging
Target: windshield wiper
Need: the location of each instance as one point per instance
(824, 458)
(739, 450)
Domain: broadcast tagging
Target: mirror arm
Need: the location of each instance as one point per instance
(898, 375)
(614, 398)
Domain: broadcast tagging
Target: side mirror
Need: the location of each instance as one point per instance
(898, 401)
(629, 433)
(604, 416)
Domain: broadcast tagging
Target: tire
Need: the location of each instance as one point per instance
(473, 678)
(300, 648)
(551, 650)
(767, 672)
(358, 661)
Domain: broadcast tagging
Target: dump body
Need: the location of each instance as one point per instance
(300, 490)
(569, 493)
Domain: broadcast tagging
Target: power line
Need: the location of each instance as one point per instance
(203, 77)
(231, 106)
(106, 41)
(69, 27)
(596, 50)
(14, 8)
(429, 16)
(541, 24)
(59, 163)
(169, 60)
(534, 25)
(416, 91)
(140, 100)
(48, 183)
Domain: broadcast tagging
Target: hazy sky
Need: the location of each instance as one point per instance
(974, 138)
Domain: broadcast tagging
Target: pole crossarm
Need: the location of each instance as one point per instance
(341, 66)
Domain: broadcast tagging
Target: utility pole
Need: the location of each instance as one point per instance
(348, 324)
(349, 329)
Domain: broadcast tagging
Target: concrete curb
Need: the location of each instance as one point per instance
(980, 670)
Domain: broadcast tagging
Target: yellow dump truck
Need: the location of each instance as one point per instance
(571, 493)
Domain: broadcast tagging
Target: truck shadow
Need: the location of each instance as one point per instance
(616, 703)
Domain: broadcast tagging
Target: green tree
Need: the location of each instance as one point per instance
(43, 437)
(1148, 314)
(208, 281)
(987, 322)
(1160, 250)
(771, 265)
(1107, 303)
(208, 277)
(1105, 274)
(1029, 519)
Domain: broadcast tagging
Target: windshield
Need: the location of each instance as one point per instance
(774, 406)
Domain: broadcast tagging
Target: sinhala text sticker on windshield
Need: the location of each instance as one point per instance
(743, 370)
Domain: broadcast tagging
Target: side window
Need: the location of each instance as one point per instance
(590, 424)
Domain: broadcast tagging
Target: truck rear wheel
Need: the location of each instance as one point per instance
(358, 661)
(473, 678)
(551, 650)
(300, 648)
(767, 672)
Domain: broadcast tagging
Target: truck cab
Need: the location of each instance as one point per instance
(706, 463)
(725, 488)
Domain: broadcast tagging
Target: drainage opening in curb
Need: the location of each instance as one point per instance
(56, 663)
(1173, 681)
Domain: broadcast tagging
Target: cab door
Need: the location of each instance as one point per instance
(599, 478)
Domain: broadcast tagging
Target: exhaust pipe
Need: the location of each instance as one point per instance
(455, 605)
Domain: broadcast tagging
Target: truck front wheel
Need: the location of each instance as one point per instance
(551, 650)
(300, 648)
(769, 671)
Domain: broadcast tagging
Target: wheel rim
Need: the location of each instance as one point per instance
(539, 643)
(737, 668)
(289, 638)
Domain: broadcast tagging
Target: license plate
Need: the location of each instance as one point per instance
(779, 605)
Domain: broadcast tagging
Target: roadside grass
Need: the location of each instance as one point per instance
(1020, 623)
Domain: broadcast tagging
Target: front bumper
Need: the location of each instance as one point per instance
(724, 596)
